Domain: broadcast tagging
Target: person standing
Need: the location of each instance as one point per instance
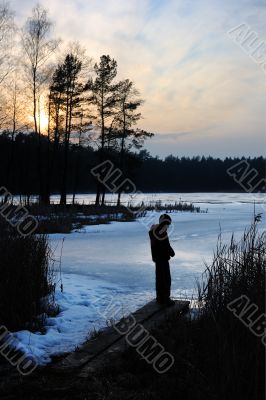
(162, 251)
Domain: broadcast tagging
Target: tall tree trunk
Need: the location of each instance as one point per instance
(56, 141)
(37, 133)
(47, 191)
(76, 178)
(63, 187)
(98, 192)
(35, 102)
(103, 196)
(100, 187)
(122, 154)
(12, 150)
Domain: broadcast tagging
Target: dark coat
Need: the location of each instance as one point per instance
(160, 245)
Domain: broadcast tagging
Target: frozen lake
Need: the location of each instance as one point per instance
(114, 260)
(170, 197)
(119, 253)
(213, 198)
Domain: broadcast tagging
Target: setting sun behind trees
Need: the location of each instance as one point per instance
(42, 120)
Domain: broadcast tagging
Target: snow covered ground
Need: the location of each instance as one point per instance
(114, 260)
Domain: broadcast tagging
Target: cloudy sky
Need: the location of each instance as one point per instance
(203, 93)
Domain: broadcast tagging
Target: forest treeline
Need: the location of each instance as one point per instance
(149, 174)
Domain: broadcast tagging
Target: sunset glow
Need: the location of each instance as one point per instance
(43, 118)
(203, 92)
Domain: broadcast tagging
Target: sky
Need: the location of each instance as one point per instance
(204, 94)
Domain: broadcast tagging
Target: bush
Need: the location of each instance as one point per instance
(26, 279)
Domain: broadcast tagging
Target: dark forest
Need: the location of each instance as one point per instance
(20, 158)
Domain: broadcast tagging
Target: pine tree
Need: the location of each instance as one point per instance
(66, 94)
(104, 98)
(126, 118)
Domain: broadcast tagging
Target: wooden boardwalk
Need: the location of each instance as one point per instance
(110, 343)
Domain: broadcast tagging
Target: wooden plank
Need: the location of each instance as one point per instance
(152, 315)
(110, 341)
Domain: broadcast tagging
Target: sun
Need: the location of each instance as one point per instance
(43, 120)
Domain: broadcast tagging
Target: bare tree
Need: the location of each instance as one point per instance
(38, 47)
(7, 29)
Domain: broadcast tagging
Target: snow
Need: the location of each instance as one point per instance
(103, 261)
(77, 320)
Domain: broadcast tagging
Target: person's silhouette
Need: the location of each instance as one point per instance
(161, 254)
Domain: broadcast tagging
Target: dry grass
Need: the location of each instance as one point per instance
(26, 285)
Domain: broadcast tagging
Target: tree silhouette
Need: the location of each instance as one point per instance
(104, 98)
(66, 91)
(38, 48)
(126, 117)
